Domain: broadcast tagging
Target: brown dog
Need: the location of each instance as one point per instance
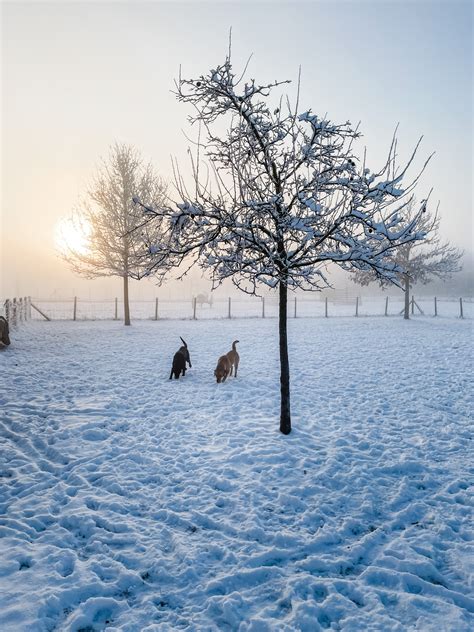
(226, 364)
(233, 359)
(222, 369)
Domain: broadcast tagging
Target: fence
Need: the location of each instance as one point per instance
(16, 310)
(75, 308)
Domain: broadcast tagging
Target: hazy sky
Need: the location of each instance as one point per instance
(77, 76)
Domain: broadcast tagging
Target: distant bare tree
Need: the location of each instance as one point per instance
(115, 239)
(283, 196)
(419, 261)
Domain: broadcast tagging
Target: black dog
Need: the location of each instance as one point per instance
(4, 331)
(179, 361)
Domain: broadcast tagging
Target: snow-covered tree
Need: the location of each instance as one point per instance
(419, 261)
(283, 194)
(114, 234)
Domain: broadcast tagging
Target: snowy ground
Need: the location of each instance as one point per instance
(130, 502)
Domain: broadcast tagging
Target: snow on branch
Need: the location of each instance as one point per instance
(419, 260)
(285, 191)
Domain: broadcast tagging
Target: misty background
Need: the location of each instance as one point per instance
(78, 76)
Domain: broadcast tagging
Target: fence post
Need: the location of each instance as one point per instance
(436, 306)
(25, 307)
(295, 306)
(156, 308)
(194, 308)
(263, 307)
(230, 313)
(386, 306)
(461, 315)
(74, 313)
(20, 309)
(116, 309)
(357, 306)
(14, 312)
(412, 305)
(326, 306)
(7, 309)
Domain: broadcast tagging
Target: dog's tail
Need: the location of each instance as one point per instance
(233, 345)
(184, 343)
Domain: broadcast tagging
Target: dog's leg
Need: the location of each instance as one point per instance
(231, 367)
(171, 374)
(236, 367)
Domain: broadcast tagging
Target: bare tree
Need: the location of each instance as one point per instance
(419, 261)
(284, 195)
(115, 237)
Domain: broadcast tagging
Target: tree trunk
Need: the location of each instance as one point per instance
(285, 417)
(126, 305)
(406, 314)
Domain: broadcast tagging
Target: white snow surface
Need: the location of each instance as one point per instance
(132, 502)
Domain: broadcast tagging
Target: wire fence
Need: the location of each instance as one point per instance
(16, 310)
(21, 309)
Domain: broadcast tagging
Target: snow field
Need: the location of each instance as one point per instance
(131, 502)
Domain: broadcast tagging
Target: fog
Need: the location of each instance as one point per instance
(49, 278)
(76, 77)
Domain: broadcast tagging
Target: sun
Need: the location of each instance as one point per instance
(72, 235)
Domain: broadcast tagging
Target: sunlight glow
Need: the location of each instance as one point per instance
(72, 235)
